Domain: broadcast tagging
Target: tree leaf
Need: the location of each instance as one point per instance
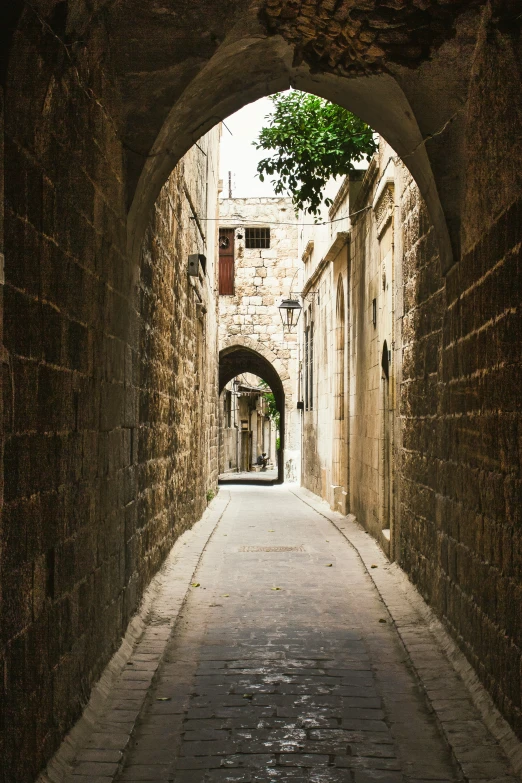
(312, 141)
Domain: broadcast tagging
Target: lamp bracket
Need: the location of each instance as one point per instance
(308, 297)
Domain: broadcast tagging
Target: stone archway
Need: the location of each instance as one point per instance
(241, 356)
(379, 100)
(101, 101)
(417, 110)
(237, 342)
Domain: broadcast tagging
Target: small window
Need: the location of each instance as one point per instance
(257, 238)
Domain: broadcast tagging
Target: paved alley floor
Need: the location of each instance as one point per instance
(284, 665)
(257, 476)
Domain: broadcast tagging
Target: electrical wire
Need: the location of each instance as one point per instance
(246, 221)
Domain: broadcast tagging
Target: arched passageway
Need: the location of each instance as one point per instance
(407, 77)
(98, 103)
(237, 359)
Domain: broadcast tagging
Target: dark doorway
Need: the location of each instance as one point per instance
(238, 359)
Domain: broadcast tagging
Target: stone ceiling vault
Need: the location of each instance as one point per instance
(402, 66)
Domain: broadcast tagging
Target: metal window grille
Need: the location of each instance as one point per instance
(257, 238)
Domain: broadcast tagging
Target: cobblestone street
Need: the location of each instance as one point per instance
(285, 664)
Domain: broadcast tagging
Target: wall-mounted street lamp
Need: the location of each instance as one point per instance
(290, 310)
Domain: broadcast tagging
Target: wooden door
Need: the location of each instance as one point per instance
(246, 448)
(226, 261)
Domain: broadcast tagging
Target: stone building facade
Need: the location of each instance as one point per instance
(394, 430)
(177, 356)
(111, 434)
(353, 318)
(249, 317)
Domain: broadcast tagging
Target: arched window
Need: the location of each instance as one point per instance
(339, 444)
(340, 340)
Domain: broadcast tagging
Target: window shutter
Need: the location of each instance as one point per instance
(226, 261)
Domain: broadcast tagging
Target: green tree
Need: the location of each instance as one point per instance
(313, 140)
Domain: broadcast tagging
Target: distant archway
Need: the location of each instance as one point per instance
(239, 358)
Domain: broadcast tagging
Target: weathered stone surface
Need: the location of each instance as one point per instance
(460, 475)
(103, 466)
(449, 493)
(177, 360)
(250, 318)
(365, 36)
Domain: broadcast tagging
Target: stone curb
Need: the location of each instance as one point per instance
(94, 749)
(482, 743)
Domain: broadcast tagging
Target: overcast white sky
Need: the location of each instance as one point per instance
(239, 156)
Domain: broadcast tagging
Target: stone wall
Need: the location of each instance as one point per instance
(88, 384)
(397, 31)
(453, 409)
(376, 260)
(349, 432)
(69, 408)
(318, 417)
(422, 475)
(262, 279)
(461, 478)
(177, 361)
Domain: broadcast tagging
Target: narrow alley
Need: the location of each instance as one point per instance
(260, 404)
(285, 663)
